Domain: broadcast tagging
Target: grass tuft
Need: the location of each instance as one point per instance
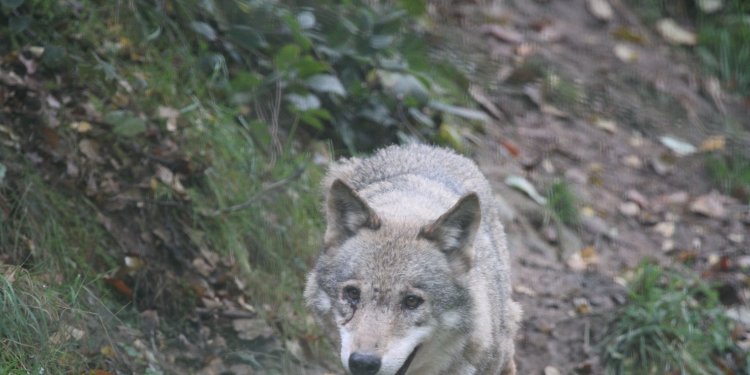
(562, 202)
(671, 324)
(731, 174)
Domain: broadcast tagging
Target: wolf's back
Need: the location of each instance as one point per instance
(434, 165)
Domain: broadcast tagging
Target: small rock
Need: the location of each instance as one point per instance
(667, 245)
(600, 9)
(549, 370)
(632, 161)
(665, 228)
(660, 166)
(710, 6)
(739, 314)
(548, 166)
(523, 289)
(736, 237)
(550, 234)
(546, 327)
(625, 53)
(676, 198)
(711, 205)
(637, 197)
(576, 176)
(629, 209)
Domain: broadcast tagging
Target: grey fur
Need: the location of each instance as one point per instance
(415, 221)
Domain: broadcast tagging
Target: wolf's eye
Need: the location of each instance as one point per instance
(411, 302)
(351, 295)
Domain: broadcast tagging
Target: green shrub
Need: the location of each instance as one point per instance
(671, 323)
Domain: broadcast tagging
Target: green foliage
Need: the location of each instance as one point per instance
(562, 202)
(43, 326)
(671, 323)
(342, 68)
(731, 173)
(724, 40)
(276, 236)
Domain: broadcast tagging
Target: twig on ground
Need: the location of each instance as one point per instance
(250, 201)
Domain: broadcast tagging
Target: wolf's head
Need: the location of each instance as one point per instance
(393, 286)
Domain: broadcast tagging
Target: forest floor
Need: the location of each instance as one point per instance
(604, 108)
(596, 123)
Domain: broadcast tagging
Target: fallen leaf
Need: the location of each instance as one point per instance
(674, 33)
(512, 149)
(522, 289)
(632, 161)
(589, 256)
(686, 256)
(81, 126)
(202, 267)
(503, 34)
(170, 179)
(484, 101)
(134, 263)
(714, 143)
(170, 114)
(606, 124)
(90, 149)
(679, 147)
(120, 287)
(575, 262)
(665, 228)
(582, 305)
(628, 35)
(251, 329)
(526, 187)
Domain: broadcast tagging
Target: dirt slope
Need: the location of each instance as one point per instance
(569, 108)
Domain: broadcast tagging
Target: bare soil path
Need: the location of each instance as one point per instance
(568, 108)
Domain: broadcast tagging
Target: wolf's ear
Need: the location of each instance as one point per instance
(347, 213)
(455, 230)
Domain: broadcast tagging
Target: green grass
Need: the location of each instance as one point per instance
(724, 44)
(562, 203)
(46, 229)
(731, 174)
(46, 327)
(671, 323)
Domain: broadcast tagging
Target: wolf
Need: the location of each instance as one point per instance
(414, 277)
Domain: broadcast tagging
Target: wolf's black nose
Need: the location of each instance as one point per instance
(364, 364)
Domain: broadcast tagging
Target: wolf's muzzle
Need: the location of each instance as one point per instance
(364, 364)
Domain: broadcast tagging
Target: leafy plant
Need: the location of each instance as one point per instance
(671, 324)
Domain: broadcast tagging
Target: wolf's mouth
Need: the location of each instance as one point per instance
(402, 370)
